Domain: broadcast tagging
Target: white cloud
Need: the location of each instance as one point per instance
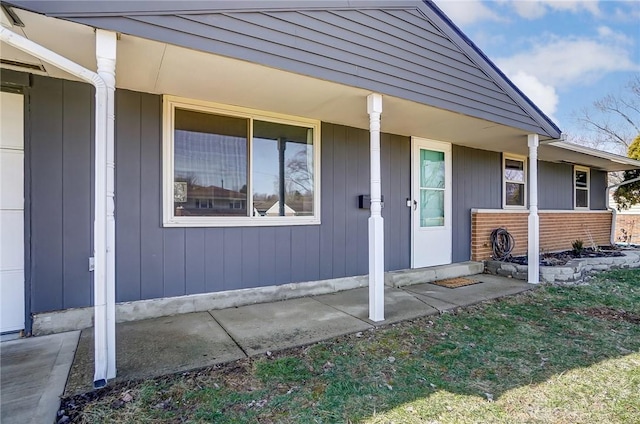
(605, 32)
(544, 96)
(573, 60)
(627, 12)
(463, 12)
(535, 9)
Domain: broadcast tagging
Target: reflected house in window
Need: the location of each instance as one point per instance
(275, 210)
(211, 201)
(272, 208)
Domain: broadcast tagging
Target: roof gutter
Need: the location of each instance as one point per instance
(614, 212)
(104, 140)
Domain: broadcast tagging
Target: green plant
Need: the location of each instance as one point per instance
(578, 247)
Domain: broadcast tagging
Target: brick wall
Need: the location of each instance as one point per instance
(628, 228)
(557, 230)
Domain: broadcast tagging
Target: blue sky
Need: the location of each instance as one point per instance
(563, 54)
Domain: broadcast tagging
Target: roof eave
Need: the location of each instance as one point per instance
(487, 64)
(613, 162)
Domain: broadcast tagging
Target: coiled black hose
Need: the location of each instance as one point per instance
(502, 244)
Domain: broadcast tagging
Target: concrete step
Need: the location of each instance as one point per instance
(407, 277)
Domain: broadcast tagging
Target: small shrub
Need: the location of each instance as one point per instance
(578, 247)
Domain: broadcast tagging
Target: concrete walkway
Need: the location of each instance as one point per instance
(33, 376)
(179, 343)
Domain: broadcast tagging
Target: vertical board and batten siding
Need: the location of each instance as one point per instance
(60, 168)
(396, 50)
(477, 183)
(555, 186)
(154, 262)
(598, 189)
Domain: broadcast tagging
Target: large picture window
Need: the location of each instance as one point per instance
(228, 166)
(514, 178)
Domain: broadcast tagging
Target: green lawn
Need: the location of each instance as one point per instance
(552, 355)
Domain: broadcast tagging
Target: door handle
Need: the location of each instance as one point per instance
(415, 205)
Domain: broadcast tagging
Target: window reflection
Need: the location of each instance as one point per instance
(282, 169)
(514, 170)
(514, 182)
(210, 164)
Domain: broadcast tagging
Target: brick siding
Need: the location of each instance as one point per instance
(628, 228)
(557, 230)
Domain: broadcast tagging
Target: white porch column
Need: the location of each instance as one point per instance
(376, 224)
(105, 297)
(534, 220)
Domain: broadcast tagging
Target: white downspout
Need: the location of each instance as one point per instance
(534, 220)
(614, 212)
(376, 223)
(103, 143)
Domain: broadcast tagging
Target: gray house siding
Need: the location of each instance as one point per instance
(555, 186)
(152, 261)
(59, 161)
(556, 191)
(597, 190)
(159, 262)
(477, 183)
(408, 50)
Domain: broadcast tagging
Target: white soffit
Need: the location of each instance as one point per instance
(581, 155)
(73, 41)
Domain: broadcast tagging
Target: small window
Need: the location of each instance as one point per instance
(514, 177)
(581, 187)
(228, 166)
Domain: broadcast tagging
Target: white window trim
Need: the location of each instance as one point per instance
(575, 187)
(170, 220)
(522, 159)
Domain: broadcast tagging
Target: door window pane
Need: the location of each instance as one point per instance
(431, 169)
(210, 164)
(431, 208)
(282, 169)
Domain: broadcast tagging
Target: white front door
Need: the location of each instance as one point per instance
(431, 203)
(11, 213)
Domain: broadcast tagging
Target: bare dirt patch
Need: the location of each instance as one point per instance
(609, 314)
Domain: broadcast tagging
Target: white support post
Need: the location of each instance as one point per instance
(376, 223)
(534, 220)
(105, 298)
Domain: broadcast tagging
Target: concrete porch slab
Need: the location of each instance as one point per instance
(496, 286)
(34, 373)
(407, 277)
(291, 323)
(398, 305)
(438, 304)
(155, 347)
(489, 287)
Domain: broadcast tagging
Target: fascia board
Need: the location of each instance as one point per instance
(440, 19)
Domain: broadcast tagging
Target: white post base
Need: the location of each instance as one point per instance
(534, 219)
(376, 269)
(534, 248)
